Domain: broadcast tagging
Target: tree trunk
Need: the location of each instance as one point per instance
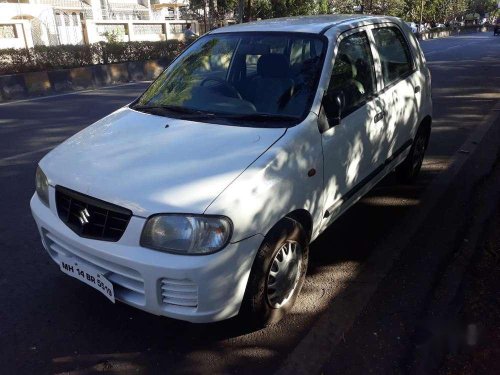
(249, 11)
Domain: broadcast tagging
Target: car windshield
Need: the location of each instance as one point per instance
(266, 79)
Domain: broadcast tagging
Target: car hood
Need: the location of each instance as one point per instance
(135, 160)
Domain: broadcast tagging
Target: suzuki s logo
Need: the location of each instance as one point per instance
(84, 216)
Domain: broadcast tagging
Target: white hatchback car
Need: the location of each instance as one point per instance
(199, 200)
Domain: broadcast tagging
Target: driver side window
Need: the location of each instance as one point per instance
(353, 75)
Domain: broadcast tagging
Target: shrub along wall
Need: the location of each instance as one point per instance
(30, 84)
(42, 58)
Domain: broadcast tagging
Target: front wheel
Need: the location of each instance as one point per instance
(277, 275)
(409, 169)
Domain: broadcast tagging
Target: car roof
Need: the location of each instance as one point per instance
(306, 24)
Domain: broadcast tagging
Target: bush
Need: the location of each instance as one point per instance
(14, 60)
(136, 51)
(42, 58)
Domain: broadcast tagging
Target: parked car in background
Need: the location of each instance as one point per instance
(199, 200)
(422, 27)
(413, 27)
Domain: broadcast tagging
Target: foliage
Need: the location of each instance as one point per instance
(70, 56)
(433, 11)
(112, 36)
(136, 51)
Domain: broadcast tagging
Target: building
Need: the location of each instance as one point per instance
(169, 9)
(25, 23)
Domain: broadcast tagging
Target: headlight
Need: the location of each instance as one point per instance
(42, 186)
(186, 234)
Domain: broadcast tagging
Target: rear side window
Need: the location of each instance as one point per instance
(353, 73)
(394, 53)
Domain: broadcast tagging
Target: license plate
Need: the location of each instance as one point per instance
(89, 276)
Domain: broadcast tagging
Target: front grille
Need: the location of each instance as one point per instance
(90, 217)
(183, 293)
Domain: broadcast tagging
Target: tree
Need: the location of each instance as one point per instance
(482, 6)
(262, 9)
(409, 10)
(324, 6)
(345, 6)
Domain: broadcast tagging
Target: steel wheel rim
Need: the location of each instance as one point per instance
(284, 274)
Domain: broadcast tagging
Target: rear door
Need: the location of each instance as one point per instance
(401, 89)
(350, 148)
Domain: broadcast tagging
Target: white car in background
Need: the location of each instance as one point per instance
(413, 26)
(199, 200)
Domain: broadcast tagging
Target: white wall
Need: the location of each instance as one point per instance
(41, 18)
(39, 25)
(131, 33)
(23, 35)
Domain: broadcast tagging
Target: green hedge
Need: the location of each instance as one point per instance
(41, 58)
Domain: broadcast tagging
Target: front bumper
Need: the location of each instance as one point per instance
(200, 289)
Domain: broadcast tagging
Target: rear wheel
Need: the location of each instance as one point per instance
(408, 171)
(277, 275)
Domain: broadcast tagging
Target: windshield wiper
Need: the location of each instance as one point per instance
(195, 113)
(191, 113)
(260, 117)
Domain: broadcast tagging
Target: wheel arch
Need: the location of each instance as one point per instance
(426, 124)
(305, 219)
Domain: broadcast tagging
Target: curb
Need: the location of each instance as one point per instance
(36, 84)
(440, 319)
(317, 346)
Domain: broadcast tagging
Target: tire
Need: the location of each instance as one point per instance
(408, 170)
(268, 296)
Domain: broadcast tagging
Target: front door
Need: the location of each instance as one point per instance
(351, 147)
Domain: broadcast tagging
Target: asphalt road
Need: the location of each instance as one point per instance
(52, 324)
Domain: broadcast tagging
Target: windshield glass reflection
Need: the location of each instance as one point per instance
(258, 77)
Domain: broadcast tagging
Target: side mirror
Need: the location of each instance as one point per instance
(333, 105)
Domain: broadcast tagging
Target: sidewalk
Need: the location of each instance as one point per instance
(480, 316)
(464, 310)
(412, 320)
(415, 318)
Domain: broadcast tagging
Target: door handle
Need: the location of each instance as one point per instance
(417, 89)
(379, 116)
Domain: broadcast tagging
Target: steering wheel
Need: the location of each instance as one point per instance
(226, 84)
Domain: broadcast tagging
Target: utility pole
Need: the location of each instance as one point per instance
(249, 8)
(421, 16)
(241, 9)
(205, 16)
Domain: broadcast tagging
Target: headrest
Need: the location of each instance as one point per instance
(254, 49)
(273, 65)
(346, 67)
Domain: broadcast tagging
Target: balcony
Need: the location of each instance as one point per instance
(173, 3)
(72, 4)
